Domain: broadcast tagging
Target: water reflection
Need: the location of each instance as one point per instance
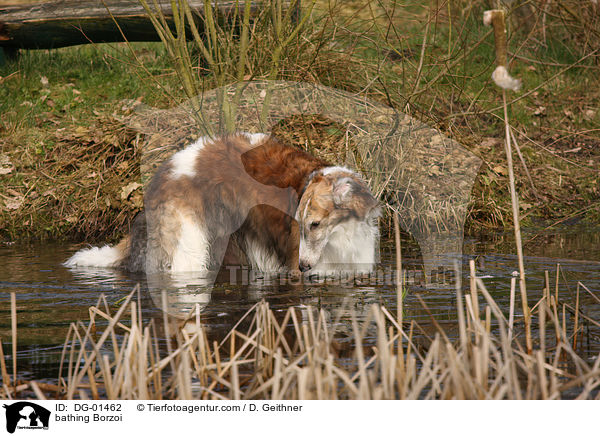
(179, 294)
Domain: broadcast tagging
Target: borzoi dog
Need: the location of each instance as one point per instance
(247, 199)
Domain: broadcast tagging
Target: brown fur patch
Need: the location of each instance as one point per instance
(248, 192)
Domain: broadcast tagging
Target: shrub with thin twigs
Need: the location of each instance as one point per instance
(233, 43)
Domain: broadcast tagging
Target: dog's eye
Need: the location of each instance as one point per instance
(314, 225)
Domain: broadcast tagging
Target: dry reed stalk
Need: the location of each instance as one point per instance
(63, 355)
(557, 332)
(471, 319)
(5, 375)
(542, 328)
(93, 385)
(556, 283)
(399, 281)
(37, 391)
(511, 311)
(522, 159)
(474, 299)
(576, 327)
(564, 322)
(462, 327)
(22, 387)
(517, 230)
(546, 286)
(88, 359)
(13, 327)
(496, 19)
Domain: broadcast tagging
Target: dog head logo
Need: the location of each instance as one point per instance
(24, 414)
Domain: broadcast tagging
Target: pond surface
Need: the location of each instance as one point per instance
(50, 296)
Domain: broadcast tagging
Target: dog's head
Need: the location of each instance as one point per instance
(332, 200)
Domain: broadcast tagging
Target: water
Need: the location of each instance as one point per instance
(51, 297)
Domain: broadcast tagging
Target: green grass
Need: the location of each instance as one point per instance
(80, 80)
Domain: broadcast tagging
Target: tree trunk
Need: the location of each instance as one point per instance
(70, 22)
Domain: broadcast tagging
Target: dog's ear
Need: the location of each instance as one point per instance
(375, 210)
(371, 207)
(349, 193)
(342, 191)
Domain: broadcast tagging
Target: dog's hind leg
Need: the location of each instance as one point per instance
(176, 242)
(192, 252)
(138, 237)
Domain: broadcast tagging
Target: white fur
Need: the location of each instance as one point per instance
(330, 170)
(352, 245)
(304, 212)
(255, 138)
(99, 257)
(184, 162)
(262, 259)
(192, 251)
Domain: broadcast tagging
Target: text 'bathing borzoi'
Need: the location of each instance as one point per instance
(247, 199)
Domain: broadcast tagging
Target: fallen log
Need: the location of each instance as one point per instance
(63, 23)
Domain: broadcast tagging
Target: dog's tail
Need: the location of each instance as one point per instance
(101, 257)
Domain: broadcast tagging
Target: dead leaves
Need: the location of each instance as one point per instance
(589, 114)
(500, 169)
(128, 189)
(6, 166)
(13, 203)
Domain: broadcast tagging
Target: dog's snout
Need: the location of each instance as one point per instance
(304, 266)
